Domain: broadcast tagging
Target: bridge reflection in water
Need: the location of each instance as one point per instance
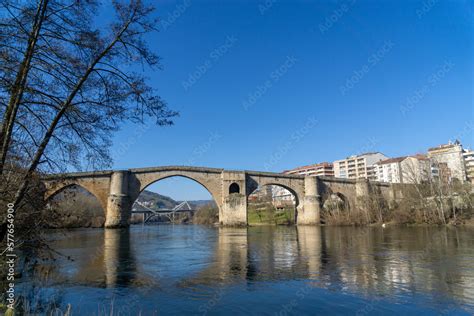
(368, 260)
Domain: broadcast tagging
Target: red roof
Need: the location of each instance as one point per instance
(391, 160)
(400, 159)
(313, 166)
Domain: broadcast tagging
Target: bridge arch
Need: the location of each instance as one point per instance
(98, 190)
(336, 206)
(289, 189)
(76, 205)
(280, 199)
(336, 198)
(211, 182)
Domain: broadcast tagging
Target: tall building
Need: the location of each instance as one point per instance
(360, 166)
(441, 172)
(409, 169)
(469, 164)
(389, 170)
(452, 155)
(320, 169)
(416, 169)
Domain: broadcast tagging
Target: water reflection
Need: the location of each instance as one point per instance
(373, 262)
(119, 260)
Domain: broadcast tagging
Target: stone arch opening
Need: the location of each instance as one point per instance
(74, 206)
(234, 188)
(272, 204)
(336, 208)
(175, 199)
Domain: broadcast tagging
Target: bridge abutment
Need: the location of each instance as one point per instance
(118, 203)
(309, 213)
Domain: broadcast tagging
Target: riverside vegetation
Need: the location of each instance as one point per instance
(421, 203)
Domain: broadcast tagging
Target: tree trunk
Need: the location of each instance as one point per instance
(20, 83)
(67, 103)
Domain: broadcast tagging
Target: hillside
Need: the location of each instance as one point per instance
(155, 201)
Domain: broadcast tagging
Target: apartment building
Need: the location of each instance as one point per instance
(389, 170)
(359, 166)
(453, 155)
(469, 164)
(407, 169)
(441, 172)
(416, 169)
(324, 169)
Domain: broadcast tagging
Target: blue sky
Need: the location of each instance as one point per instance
(271, 85)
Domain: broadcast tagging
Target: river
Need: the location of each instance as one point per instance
(199, 270)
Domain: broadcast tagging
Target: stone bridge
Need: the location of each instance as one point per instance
(117, 190)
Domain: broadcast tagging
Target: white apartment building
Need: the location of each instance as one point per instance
(453, 155)
(360, 166)
(410, 169)
(469, 164)
(389, 170)
(416, 169)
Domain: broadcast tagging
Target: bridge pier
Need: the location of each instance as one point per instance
(309, 213)
(118, 203)
(234, 199)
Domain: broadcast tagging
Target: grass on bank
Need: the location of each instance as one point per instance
(271, 216)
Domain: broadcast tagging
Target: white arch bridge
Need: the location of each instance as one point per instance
(117, 190)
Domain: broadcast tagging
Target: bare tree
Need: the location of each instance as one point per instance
(68, 80)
